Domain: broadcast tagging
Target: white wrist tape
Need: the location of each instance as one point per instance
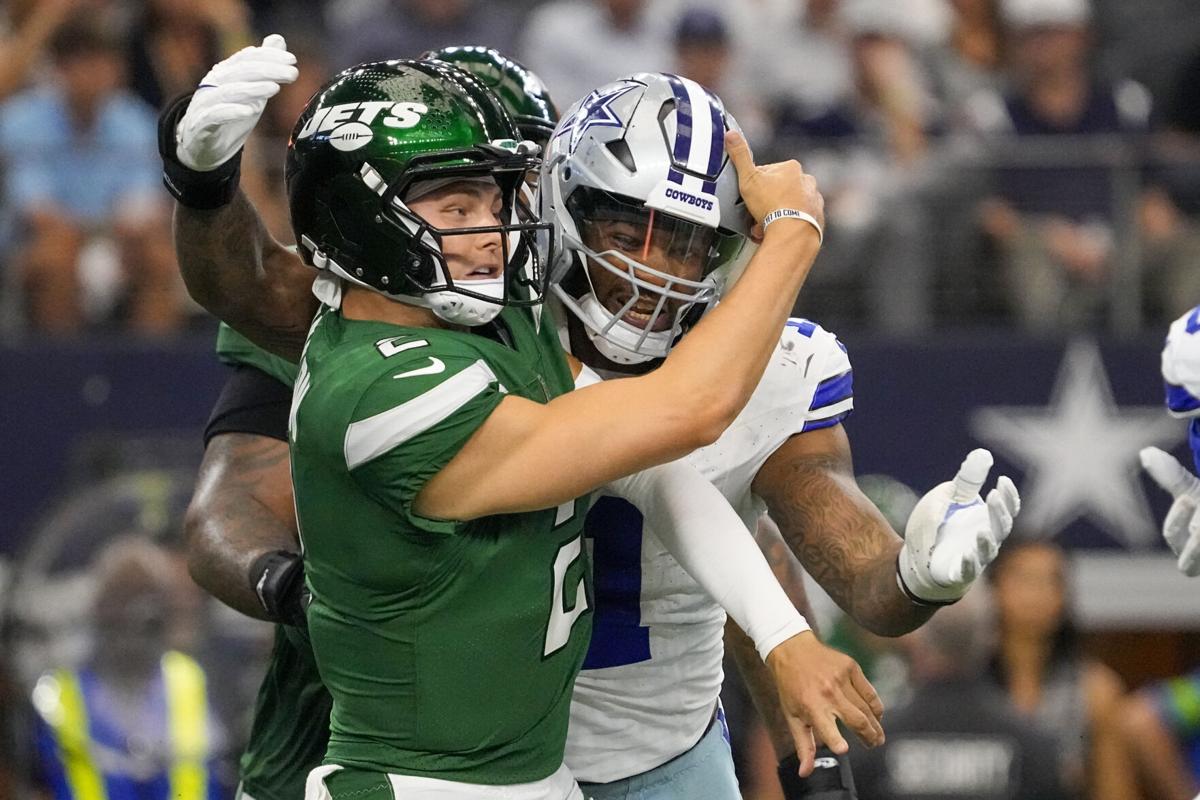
(704, 534)
(794, 213)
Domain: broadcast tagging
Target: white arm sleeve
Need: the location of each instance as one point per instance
(705, 535)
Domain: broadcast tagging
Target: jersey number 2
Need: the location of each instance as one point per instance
(562, 619)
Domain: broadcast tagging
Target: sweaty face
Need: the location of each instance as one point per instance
(666, 248)
(466, 204)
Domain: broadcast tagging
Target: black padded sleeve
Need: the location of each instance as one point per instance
(250, 402)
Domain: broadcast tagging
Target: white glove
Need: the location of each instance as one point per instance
(1181, 528)
(953, 534)
(229, 101)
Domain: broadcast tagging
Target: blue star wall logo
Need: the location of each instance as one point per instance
(1080, 452)
(594, 112)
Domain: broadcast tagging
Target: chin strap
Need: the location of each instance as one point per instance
(617, 340)
(449, 305)
(461, 309)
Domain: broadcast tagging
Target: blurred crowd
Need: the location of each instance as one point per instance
(1030, 164)
(119, 672)
(997, 696)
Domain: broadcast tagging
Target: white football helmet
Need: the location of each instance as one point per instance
(649, 222)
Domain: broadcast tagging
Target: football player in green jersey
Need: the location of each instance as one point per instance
(242, 541)
(438, 472)
(346, 140)
(230, 534)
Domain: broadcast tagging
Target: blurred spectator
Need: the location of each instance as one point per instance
(1161, 725)
(957, 737)
(175, 42)
(82, 179)
(804, 63)
(1169, 214)
(971, 60)
(31, 26)
(407, 28)
(134, 722)
(1038, 664)
(704, 52)
(1055, 225)
(867, 151)
(577, 45)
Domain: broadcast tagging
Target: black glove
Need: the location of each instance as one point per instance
(277, 578)
(200, 190)
(831, 778)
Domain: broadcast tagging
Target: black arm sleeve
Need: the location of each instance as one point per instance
(251, 402)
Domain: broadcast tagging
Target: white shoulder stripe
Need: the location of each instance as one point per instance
(372, 437)
(825, 412)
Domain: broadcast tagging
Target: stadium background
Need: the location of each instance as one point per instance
(107, 380)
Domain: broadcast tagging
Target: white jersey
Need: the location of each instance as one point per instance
(1181, 365)
(652, 675)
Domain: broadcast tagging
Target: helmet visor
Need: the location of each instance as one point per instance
(518, 231)
(648, 270)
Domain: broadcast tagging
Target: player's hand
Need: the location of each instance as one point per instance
(769, 187)
(953, 534)
(277, 578)
(831, 778)
(1181, 528)
(819, 686)
(229, 101)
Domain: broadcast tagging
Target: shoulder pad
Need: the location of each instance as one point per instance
(811, 376)
(802, 337)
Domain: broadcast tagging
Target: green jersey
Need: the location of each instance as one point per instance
(450, 648)
(233, 348)
(291, 713)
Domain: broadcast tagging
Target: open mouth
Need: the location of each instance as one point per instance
(642, 316)
(483, 273)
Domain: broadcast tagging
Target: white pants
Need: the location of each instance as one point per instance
(559, 786)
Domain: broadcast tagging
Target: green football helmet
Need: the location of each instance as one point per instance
(522, 93)
(372, 133)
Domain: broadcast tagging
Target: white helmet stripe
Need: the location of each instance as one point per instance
(702, 127)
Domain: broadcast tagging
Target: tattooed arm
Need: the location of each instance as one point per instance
(236, 270)
(242, 508)
(839, 536)
(754, 672)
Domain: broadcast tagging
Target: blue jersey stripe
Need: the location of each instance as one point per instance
(1194, 441)
(1180, 400)
(833, 390)
(1193, 322)
(802, 326)
(829, 422)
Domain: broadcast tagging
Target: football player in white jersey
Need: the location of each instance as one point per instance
(1181, 376)
(634, 176)
(657, 621)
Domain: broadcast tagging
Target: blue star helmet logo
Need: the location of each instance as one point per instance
(594, 112)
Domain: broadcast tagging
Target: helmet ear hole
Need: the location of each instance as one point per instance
(620, 150)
